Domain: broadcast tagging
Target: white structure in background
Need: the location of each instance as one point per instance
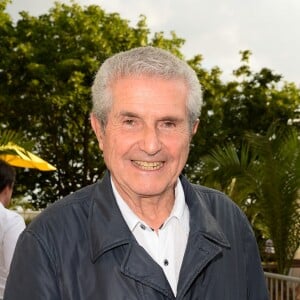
(27, 214)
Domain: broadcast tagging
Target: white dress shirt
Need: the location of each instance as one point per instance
(11, 225)
(167, 246)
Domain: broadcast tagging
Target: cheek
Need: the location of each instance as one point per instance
(114, 148)
(179, 148)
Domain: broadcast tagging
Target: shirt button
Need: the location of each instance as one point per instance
(166, 262)
(143, 226)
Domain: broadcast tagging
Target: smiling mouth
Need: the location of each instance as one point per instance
(145, 165)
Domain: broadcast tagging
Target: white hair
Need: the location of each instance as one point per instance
(144, 61)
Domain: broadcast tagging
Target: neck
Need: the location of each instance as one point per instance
(153, 212)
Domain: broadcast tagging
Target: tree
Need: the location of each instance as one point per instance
(46, 71)
(264, 173)
(251, 102)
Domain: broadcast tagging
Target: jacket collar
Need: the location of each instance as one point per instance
(107, 228)
(205, 242)
(201, 219)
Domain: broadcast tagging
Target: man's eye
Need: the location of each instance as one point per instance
(129, 122)
(169, 124)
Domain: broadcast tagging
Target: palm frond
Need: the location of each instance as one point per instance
(9, 136)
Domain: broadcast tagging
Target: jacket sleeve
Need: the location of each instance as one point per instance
(32, 274)
(256, 282)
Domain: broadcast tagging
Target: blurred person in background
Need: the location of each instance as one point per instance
(11, 223)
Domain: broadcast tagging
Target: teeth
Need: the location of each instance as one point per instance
(148, 165)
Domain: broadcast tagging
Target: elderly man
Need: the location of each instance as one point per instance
(11, 223)
(143, 232)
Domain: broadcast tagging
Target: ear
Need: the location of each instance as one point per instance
(195, 127)
(98, 129)
(7, 194)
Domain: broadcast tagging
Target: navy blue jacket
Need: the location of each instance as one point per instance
(80, 248)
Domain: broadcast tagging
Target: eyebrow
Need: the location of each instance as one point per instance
(171, 118)
(125, 113)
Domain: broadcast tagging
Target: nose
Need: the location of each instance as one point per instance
(150, 142)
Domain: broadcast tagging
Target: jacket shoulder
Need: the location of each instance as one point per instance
(64, 210)
(217, 202)
(211, 195)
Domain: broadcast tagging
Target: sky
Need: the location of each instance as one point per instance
(216, 29)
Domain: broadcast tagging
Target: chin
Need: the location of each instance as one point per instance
(150, 191)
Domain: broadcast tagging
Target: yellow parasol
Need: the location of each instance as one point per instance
(19, 157)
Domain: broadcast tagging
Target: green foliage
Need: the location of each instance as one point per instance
(7, 136)
(46, 71)
(4, 17)
(250, 103)
(264, 174)
(277, 189)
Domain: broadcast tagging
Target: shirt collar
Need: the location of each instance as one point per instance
(110, 230)
(129, 216)
(133, 220)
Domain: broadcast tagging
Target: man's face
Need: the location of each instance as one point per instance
(146, 139)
